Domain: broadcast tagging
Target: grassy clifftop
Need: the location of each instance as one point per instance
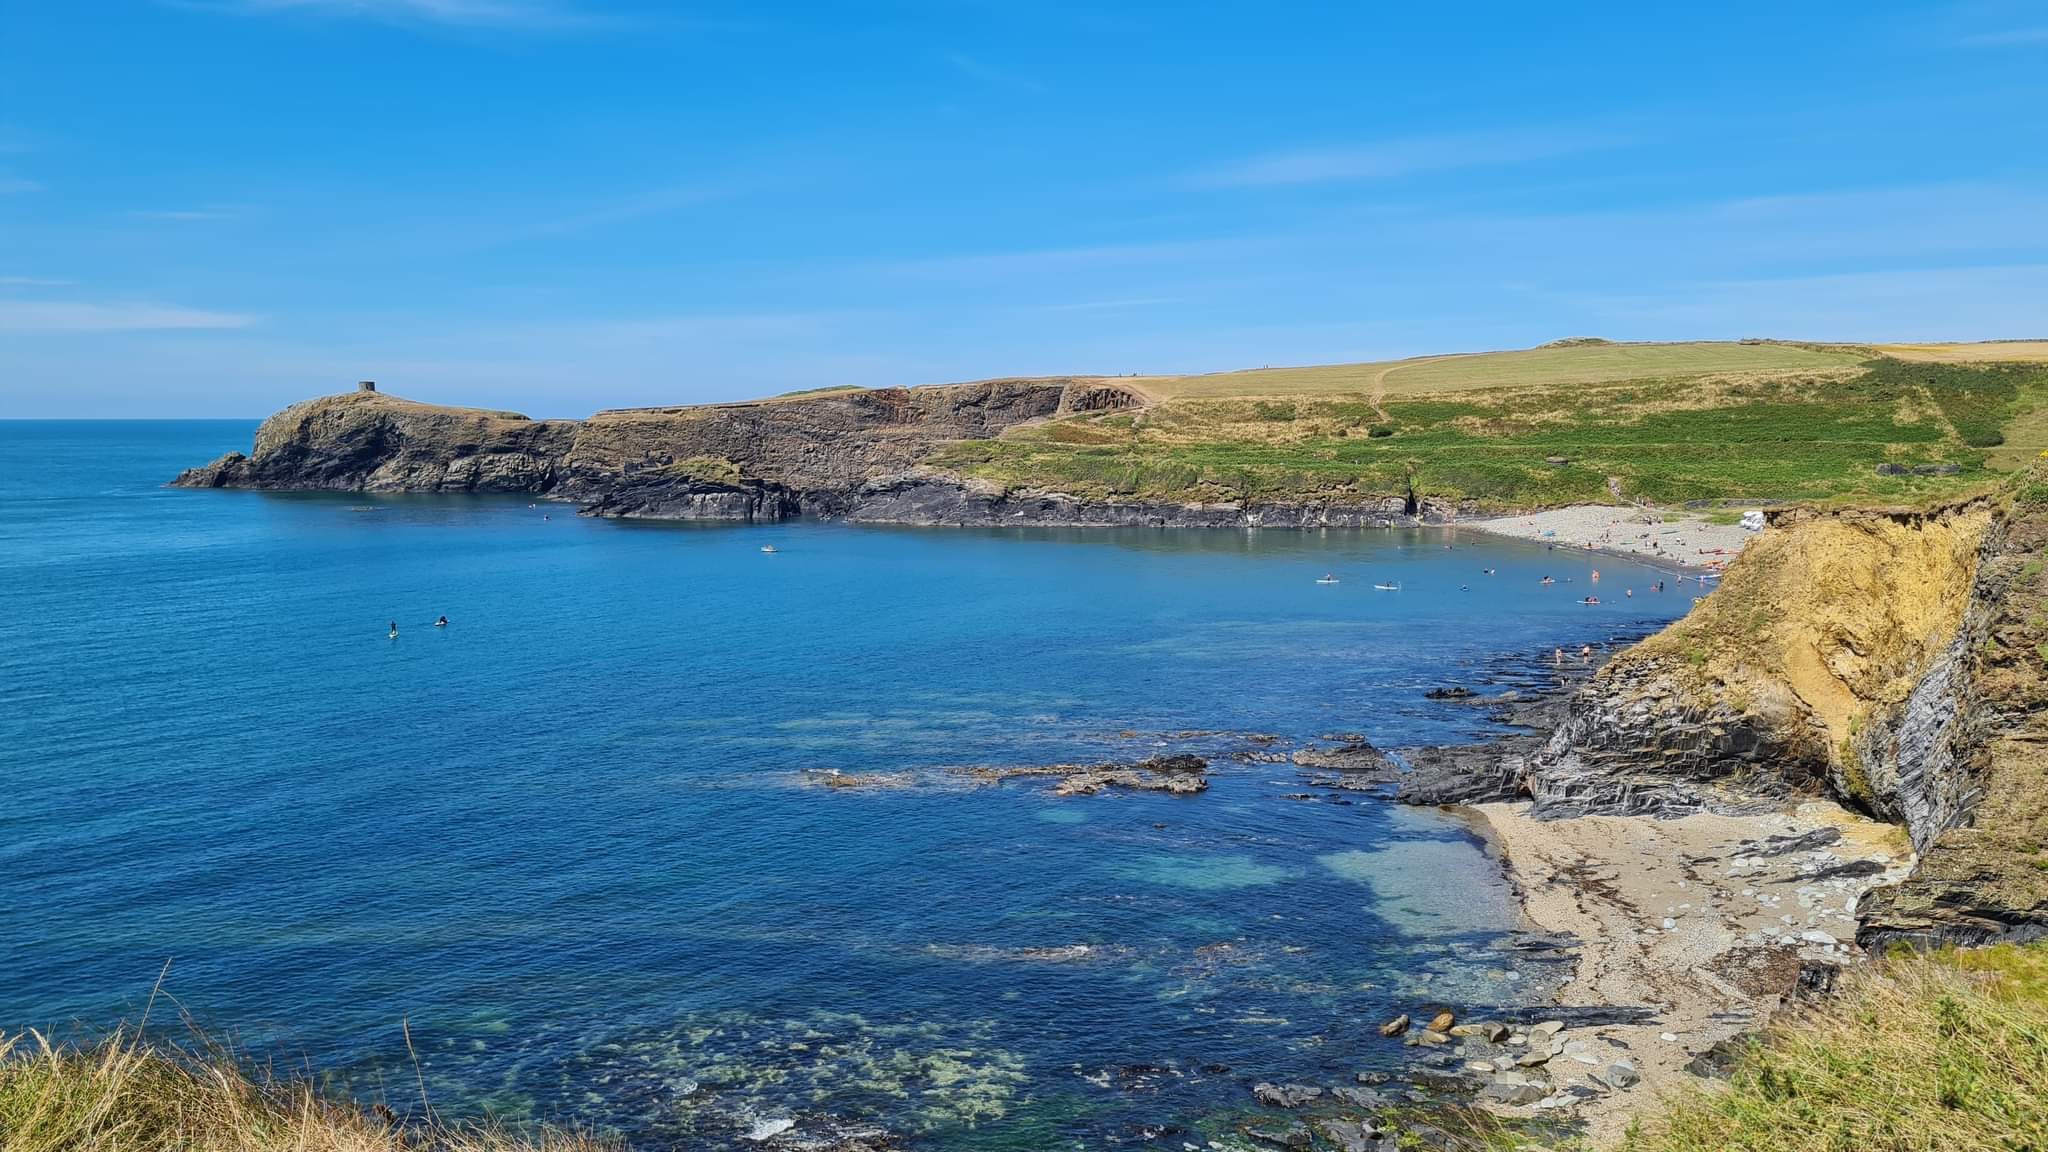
(1796, 424)
(121, 1096)
(1923, 1052)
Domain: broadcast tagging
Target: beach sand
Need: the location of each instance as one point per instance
(1686, 540)
(1706, 919)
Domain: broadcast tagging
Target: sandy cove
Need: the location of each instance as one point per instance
(1707, 919)
(1687, 542)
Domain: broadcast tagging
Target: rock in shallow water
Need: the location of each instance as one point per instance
(1285, 1095)
(1351, 1135)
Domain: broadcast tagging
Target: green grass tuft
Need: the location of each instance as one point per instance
(120, 1095)
(1922, 1052)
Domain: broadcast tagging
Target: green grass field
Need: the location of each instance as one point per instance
(1783, 423)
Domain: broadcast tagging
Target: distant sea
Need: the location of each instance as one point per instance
(576, 840)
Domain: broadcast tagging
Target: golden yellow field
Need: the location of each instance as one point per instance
(1988, 350)
(1557, 364)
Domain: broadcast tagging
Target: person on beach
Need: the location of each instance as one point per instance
(1585, 651)
(1557, 658)
(1596, 575)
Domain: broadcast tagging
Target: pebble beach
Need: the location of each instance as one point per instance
(1686, 540)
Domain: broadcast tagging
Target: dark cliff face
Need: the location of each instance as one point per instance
(1649, 738)
(369, 442)
(856, 455)
(1971, 750)
(366, 441)
(816, 450)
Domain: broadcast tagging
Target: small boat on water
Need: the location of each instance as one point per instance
(1388, 587)
(1327, 578)
(768, 548)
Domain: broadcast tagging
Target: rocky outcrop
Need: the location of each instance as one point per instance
(678, 494)
(1648, 737)
(765, 460)
(1179, 775)
(1468, 774)
(371, 442)
(856, 455)
(933, 498)
(820, 449)
(1897, 661)
(1826, 630)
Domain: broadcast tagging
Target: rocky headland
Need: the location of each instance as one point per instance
(857, 455)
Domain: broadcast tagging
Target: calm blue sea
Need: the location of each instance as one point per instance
(576, 843)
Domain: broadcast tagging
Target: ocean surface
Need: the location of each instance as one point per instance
(577, 842)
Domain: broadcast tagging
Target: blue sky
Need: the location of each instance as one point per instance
(214, 207)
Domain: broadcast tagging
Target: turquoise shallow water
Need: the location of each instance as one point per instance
(572, 838)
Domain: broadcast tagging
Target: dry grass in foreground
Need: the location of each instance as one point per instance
(1918, 1053)
(123, 1096)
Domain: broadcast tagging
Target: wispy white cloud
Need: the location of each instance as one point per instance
(122, 316)
(1077, 259)
(974, 68)
(536, 15)
(1388, 159)
(1101, 305)
(2007, 38)
(1968, 302)
(183, 215)
(10, 185)
(638, 206)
